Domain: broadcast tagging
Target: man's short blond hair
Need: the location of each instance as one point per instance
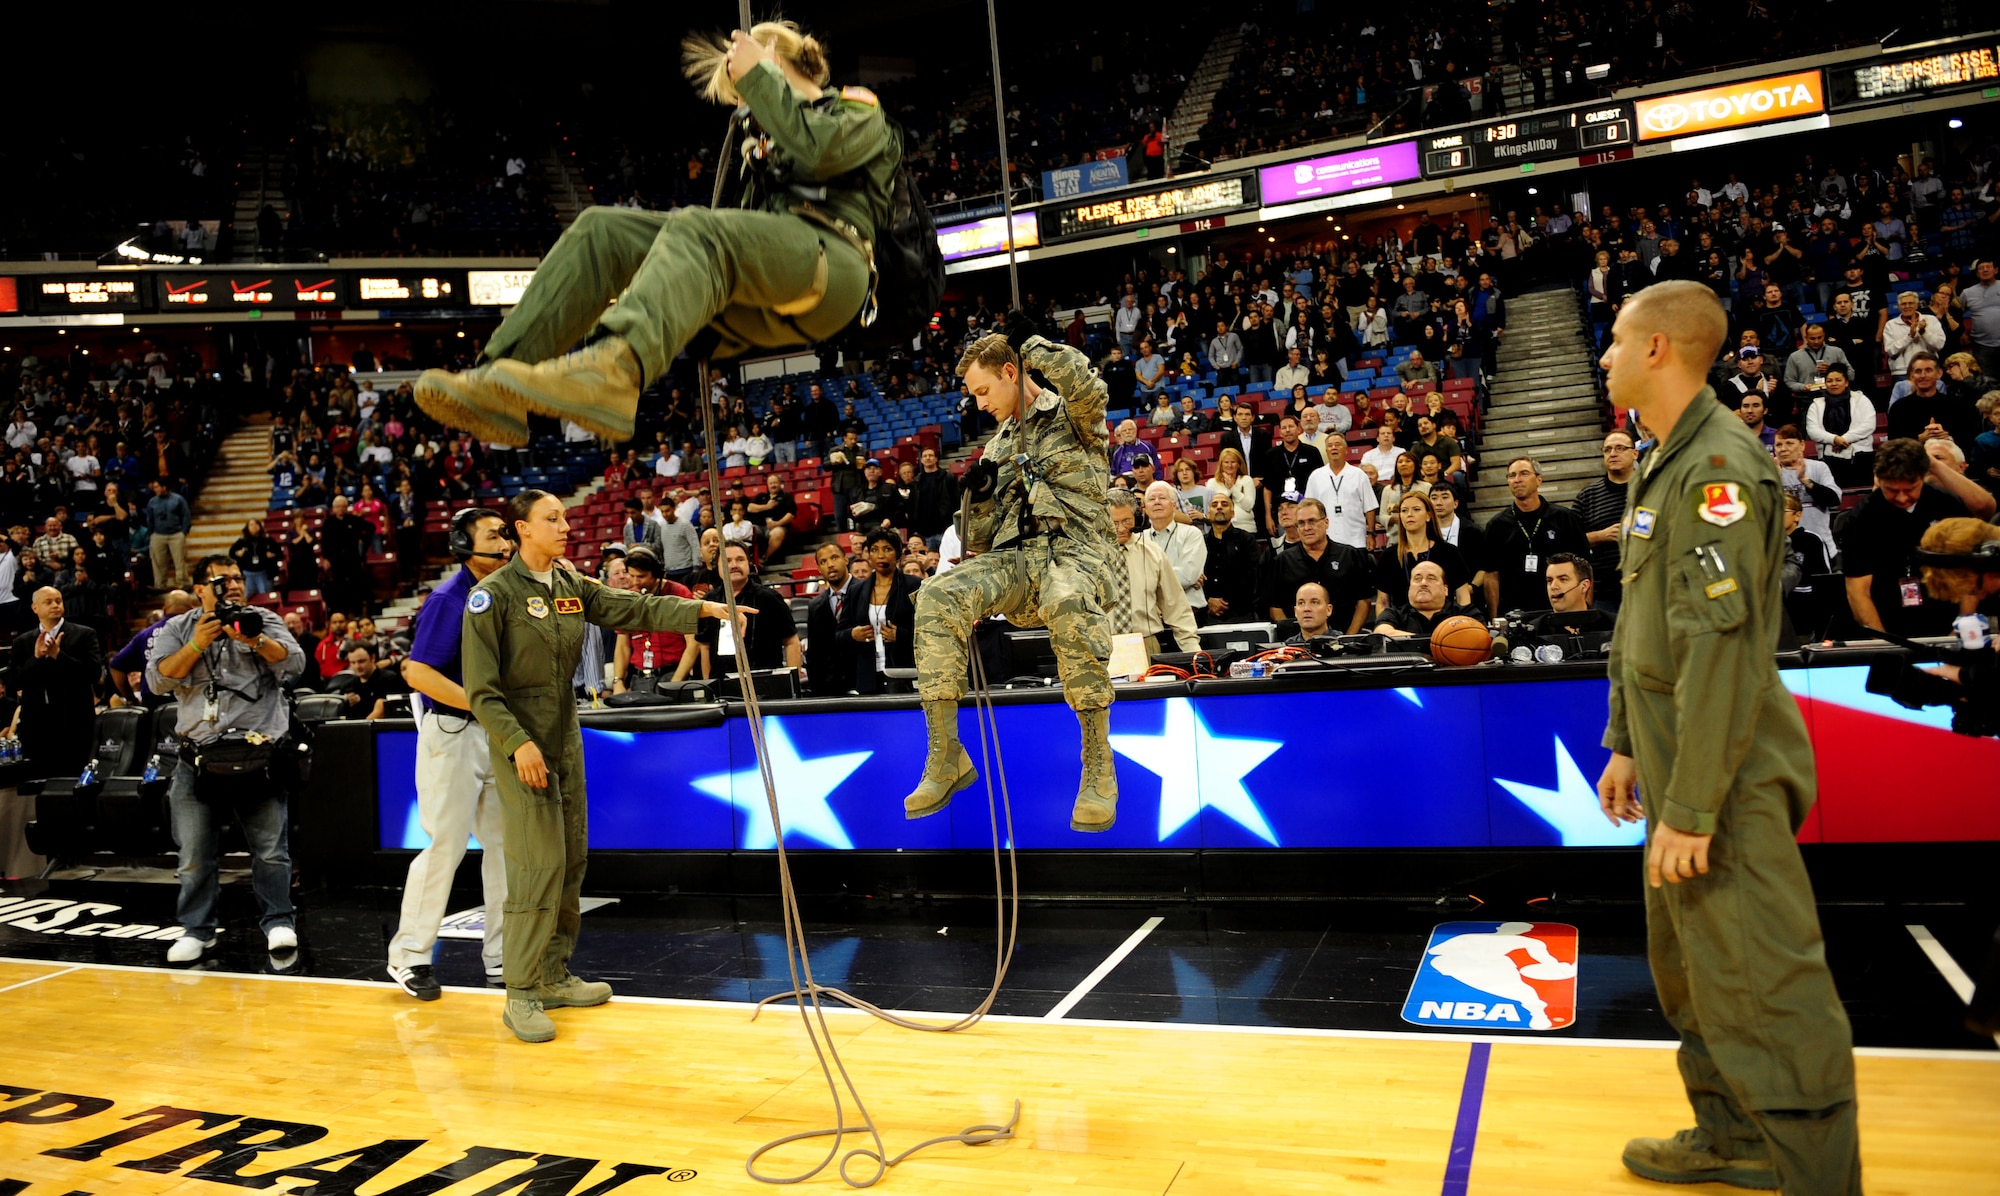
(1688, 313)
(989, 352)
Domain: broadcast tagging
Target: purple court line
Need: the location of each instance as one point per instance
(1458, 1168)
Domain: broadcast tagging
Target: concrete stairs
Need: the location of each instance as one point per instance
(567, 190)
(1544, 402)
(1197, 103)
(237, 489)
(261, 181)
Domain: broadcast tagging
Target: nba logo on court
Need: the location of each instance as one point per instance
(1504, 975)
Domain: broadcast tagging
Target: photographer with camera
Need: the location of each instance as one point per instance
(224, 662)
(1960, 563)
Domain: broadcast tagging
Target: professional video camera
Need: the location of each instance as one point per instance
(1975, 697)
(247, 620)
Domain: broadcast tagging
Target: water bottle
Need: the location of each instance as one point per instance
(153, 768)
(1249, 668)
(89, 775)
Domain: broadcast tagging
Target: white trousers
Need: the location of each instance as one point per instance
(456, 797)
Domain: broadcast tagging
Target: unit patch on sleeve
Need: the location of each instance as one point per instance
(1722, 503)
(480, 600)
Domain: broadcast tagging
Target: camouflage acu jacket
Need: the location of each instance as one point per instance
(1065, 474)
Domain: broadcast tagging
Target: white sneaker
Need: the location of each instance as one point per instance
(280, 939)
(187, 949)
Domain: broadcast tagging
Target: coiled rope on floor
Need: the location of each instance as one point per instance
(808, 993)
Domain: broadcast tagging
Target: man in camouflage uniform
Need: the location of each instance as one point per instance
(1040, 550)
(1704, 734)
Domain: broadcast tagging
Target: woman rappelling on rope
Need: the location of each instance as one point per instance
(792, 264)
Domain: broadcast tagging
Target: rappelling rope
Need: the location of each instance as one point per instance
(797, 962)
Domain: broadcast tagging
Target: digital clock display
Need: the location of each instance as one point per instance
(1539, 137)
(1152, 207)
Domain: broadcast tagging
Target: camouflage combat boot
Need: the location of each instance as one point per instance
(947, 769)
(525, 1018)
(570, 992)
(1097, 794)
(474, 402)
(1689, 1158)
(597, 387)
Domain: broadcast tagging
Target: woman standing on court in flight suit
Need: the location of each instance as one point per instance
(792, 264)
(524, 630)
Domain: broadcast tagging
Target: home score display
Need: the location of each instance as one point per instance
(1532, 138)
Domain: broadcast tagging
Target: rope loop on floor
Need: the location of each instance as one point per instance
(807, 992)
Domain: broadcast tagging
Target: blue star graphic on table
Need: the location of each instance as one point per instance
(803, 789)
(1572, 809)
(831, 963)
(1199, 768)
(1201, 998)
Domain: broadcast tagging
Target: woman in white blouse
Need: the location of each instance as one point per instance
(1233, 479)
(1841, 422)
(735, 449)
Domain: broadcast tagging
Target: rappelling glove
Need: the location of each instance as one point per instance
(1020, 326)
(981, 480)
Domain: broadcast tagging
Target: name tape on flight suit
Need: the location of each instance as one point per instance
(569, 606)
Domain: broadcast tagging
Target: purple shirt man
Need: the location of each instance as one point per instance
(439, 627)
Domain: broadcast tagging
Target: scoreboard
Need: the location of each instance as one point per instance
(1228, 194)
(1515, 140)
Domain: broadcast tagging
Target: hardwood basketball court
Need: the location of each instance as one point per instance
(654, 1096)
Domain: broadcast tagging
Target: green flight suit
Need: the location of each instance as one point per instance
(1766, 1052)
(521, 646)
(1072, 579)
(674, 273)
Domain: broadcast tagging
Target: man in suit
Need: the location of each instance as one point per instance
(829, 651)
(54, 670)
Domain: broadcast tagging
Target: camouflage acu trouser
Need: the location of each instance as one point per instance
(1047, 580)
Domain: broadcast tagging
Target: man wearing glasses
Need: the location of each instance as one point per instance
(1601, 506)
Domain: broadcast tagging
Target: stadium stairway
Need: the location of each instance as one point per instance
(237, 488)
(259, 181)
(1197, 103)
(1545, 402)
(567, 189)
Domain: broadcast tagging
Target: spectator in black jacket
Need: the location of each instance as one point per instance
(54, 671)
(879, 613)
(884, 501)
(1230, 584)
(1521, 539)
(344, 547)
(1930, 411)
(258, 555)
(933, 499)
(829, 652)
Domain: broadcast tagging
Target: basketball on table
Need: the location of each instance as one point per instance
(1461, 640)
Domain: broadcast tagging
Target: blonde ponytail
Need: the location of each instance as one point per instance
(705, 58)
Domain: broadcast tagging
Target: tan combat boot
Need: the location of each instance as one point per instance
(570, 992)
(474, 402)
(1689, 1158)
(947, 769)
(1097, 794)
(525, 1018)
(596, 387)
